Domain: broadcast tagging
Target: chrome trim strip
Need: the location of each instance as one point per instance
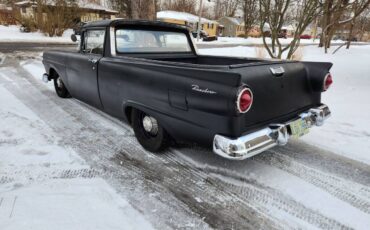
(275, 134)
(194, 44)
(324, 82)
(112, 41)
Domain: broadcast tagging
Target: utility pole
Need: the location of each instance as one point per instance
(200, 19)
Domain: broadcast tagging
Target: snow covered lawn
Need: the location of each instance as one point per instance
(347, 132)
(13, 34)
(258, 41)
(255, 41)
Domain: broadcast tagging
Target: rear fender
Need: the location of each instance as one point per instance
(316, 72)
(177, 128)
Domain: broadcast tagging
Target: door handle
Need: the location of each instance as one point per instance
(92, 60)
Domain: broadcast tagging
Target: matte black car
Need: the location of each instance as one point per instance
(150, 74)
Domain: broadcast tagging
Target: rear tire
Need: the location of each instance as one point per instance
(150, 134)
(60, 88)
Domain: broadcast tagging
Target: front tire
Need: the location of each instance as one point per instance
(150, 134)
(60, 88)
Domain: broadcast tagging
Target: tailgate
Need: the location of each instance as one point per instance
(277, 97)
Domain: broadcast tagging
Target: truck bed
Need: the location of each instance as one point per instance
(199, 61)
(212, 60)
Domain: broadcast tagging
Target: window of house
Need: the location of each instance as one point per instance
(93, 41)
(24, 10)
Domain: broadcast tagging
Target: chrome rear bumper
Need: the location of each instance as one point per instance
(261, 140)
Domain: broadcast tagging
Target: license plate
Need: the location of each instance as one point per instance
(299, 128)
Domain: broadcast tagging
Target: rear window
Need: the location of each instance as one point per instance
(146, 41)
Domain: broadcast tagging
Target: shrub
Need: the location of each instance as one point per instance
(29, 24)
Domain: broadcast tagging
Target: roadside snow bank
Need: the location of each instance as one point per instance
(347, 131)
(13, 34)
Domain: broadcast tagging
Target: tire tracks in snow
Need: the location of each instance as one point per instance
(98, 142)
(29, 174)
(344, 190)
(271, 200)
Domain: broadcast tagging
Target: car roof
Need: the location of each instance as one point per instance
(123, 22)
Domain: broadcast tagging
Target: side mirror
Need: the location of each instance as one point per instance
(73, 38)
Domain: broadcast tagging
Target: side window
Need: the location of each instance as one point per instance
(93, 41)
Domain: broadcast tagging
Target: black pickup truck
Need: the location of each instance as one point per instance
(150, 74)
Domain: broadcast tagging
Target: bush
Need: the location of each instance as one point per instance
(52, 20)
(28, 24)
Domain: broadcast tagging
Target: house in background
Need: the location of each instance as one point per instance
(233, 26)
(93, 12)
(212, 28)
(88, 11)
(288, 30)
(6, 15)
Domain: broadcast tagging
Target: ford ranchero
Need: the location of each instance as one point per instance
(150, 74)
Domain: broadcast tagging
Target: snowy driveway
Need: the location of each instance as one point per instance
(66, 165)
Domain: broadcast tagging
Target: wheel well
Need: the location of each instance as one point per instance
(128, 111)
(53, 73)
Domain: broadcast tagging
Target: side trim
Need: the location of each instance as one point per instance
(112, 41)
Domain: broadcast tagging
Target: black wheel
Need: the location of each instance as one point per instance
(60, 88)
(149, 132)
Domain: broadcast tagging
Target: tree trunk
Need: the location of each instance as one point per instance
(350, 35)
(143, 9)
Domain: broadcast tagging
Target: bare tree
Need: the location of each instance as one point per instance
(337, 13)
(188, 6)
(276, 13)
(354, 22)
(135, 9)
(226, 8)
(122, 6)
(362, 24)
(250, 14)
(143, 9)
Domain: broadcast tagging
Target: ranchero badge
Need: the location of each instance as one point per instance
(277, 71)
(198, 89)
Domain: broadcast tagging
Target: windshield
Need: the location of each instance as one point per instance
(147, 41)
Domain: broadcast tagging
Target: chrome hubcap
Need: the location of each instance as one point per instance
(150, 125)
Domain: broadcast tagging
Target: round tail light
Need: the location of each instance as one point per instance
(244, 100)
(328, 80)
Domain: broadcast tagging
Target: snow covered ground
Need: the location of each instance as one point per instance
(67, 165)
(256, 41)
(347, 131)
(236, 41)
(13, 34)
(44, 184)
